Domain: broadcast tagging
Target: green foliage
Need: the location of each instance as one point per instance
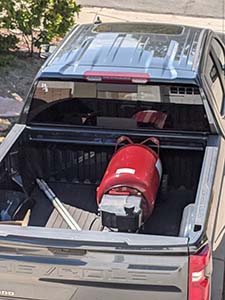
(39, 21)
(8, 42)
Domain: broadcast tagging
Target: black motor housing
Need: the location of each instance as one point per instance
(121, 212)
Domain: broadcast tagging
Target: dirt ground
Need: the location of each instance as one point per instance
(15, 82)
(15, 79)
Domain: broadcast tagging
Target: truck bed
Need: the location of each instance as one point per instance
(74, 171)
(81, 196)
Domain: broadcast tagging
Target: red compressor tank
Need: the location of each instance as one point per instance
(135, 169)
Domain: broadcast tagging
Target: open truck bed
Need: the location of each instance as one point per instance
(74, 172)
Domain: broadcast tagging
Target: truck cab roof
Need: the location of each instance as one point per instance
(163, 51)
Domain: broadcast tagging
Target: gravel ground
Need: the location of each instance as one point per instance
(15, 81)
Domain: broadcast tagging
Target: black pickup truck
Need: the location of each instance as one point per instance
(106, 84)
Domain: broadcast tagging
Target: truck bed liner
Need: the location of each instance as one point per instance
(85, 219)
(73, 195)
(78, 197)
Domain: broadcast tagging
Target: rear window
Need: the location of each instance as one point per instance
(118, 106)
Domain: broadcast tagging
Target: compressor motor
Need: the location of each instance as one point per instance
(127, 193)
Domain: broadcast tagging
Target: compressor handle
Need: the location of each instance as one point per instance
(154, 141)
(124, 138)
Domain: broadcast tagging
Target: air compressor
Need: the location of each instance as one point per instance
(127, 193)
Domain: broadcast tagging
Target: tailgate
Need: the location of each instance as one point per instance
(35, 265)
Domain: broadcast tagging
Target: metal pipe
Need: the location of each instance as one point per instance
(57, 204)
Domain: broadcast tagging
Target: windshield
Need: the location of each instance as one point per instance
(118, 106)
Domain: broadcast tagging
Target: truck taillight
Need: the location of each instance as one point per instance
(199, 285)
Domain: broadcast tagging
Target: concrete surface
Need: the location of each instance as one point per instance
(202, 8)
(10, 108)
(89, 15)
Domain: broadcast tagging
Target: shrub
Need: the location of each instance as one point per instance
(8, 42)
(38, 21)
